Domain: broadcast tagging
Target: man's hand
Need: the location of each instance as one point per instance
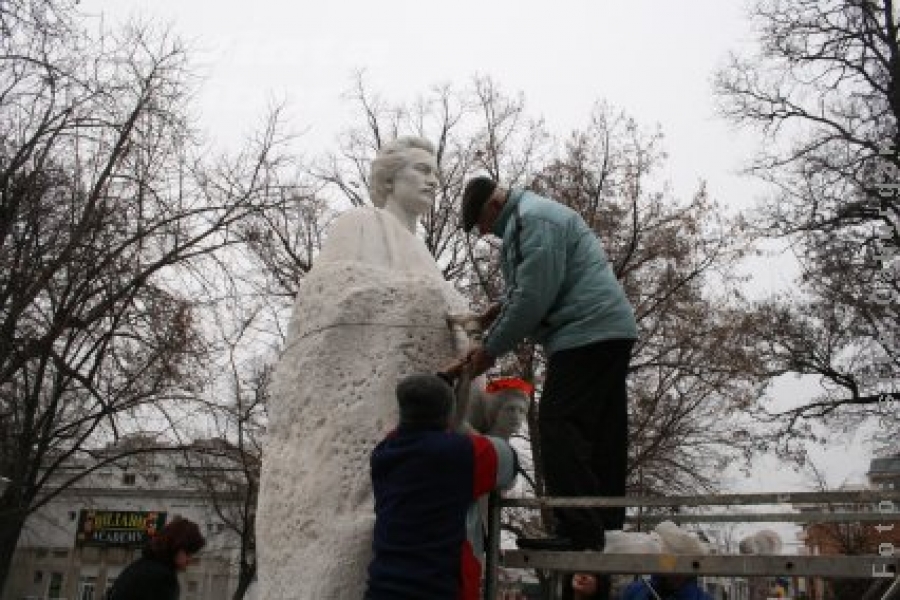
(476, 360)
(490, 315)
(479, 361)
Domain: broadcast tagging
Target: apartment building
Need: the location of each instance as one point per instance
(74, 547)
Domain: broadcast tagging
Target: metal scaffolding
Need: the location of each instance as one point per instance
(884, 567)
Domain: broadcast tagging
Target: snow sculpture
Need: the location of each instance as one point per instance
(666, 538)
(372, 310)
(632, 542)
(764, 541)
(500, 414)
(678, 541)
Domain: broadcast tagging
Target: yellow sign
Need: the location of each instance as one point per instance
(117, 527)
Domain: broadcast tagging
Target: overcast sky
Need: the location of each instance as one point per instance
(653, 59)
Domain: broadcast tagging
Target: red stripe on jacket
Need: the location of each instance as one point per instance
(486, 465)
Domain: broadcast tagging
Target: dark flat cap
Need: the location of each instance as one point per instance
(478, 191)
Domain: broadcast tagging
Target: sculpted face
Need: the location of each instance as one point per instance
(510, 416)
(414, 186)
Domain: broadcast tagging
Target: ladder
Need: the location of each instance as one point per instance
(884, 566)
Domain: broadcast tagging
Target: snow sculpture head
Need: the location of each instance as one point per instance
(507, 415)
(404, 179)
(502, 407)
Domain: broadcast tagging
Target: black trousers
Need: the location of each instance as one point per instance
(583, 426)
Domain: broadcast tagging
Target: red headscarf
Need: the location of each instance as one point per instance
(509, 383)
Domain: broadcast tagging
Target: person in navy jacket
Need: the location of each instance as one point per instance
(665, 587)
(426, 480)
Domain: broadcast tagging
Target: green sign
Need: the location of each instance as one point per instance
(123, 528)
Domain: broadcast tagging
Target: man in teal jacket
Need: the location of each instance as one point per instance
(562, 293)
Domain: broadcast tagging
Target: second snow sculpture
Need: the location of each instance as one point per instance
(372, 310)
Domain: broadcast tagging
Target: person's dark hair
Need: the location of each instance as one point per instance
(180, 534)
(425, 402)
(478, 191)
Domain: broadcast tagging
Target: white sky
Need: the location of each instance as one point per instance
(653, 59)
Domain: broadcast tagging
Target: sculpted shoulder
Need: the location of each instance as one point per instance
(345, 236)
(373, 237)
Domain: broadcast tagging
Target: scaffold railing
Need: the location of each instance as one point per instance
(847, 506)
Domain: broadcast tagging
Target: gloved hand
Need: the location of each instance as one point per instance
(476, 360)
(490, 315)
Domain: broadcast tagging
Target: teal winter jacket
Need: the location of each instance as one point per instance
(560, 288)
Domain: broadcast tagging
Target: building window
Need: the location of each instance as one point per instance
(54, 589)
(127, 478)
(60, 553)
(87, 588)
(72, 515)
(38, 576)
(152, 477)
(214, 527)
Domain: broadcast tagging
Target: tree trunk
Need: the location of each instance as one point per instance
(12, 520)
(247, 573)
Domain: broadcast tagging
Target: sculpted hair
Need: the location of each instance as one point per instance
(392, 157)
(179, 534)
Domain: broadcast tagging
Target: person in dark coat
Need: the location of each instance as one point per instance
(154, 576)
(426, 480)
(665, 587)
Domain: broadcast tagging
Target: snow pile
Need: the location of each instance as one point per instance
(632, 542)
(678, 541)
(761, 542)
(666, 538)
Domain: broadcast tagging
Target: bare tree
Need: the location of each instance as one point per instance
(112, 215)
(697, 358)
(472, 129)
(225, 461)
(227, 467)
(824, 90)
(845, 539)
(694, 364)
(697, 361)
